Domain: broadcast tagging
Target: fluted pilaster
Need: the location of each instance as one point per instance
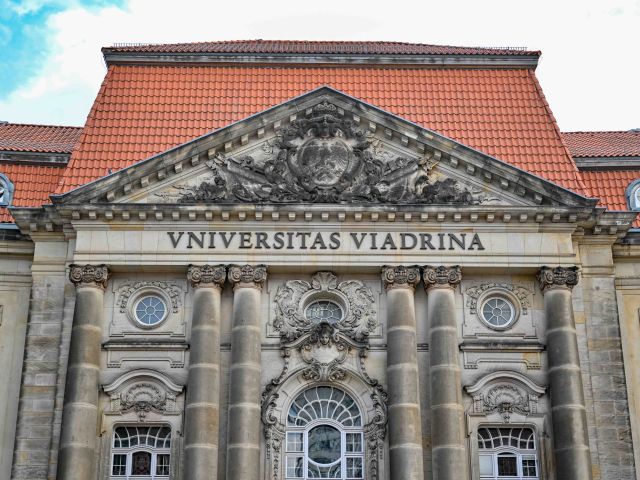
(570, 437)
(244, 429)
(447, 414)
(202, 410)
(405, 419)
(77, 456)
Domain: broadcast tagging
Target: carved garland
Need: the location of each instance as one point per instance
(521, 293)
(290, 320)
(126, 290)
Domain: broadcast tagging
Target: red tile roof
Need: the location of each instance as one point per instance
(307, 47)
(610, 186)
(603, 144)
(144, 110)
(17, 137)
(33, 185)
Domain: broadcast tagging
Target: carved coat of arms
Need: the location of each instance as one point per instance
(322, 158)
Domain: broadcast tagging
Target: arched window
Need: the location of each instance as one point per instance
(6, 191)
(324, 436)
(507, 453)
(141, 452)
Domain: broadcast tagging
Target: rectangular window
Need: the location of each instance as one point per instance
(507, 466)
(119, 465)
(295, 466)
(163, 462)
(354, 467)
(294, 442)
(354, 443)
(486, 465)
(529, 467)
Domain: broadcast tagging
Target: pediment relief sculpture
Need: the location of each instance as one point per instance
(321, 158)
(349, 307)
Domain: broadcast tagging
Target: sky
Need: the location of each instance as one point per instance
(51, 66)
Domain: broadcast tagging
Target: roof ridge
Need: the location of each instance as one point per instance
(580, 132)
(38, 125)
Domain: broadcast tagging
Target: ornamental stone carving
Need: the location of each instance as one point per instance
(558, 277)
(321, 157)
(248, 275)
(128, 289)
(207, 275)
(400, 276)
(89, 275)
(324, 351)
(475, 292)
(354, 297)
(507, 399)
(441, 276)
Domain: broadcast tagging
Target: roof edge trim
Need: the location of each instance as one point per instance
(112, 57)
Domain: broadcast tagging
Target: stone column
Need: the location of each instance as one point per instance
(244, 428)
(202, 410)
(77, 456)
(447, 414)
(405, 422)
(570, 437)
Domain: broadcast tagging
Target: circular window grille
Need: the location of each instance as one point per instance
(498, 312)
(150, 310)
(324, 311)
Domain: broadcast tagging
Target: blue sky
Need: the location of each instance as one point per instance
(51, 66)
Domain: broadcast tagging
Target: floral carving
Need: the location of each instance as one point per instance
(324, 351)
(322, 157)
(504, 399)
(126, 290)
(89, 275)
(441, 276)
(248, 275)
(358, 321)
(206, 275)
(558, 277)
(522, 294)
(400, 276)
(143, 398)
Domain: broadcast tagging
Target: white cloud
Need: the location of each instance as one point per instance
(589, 67)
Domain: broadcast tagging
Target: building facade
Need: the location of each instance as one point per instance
(329, 287)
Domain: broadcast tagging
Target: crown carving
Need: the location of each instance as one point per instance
(558, 277)
(89, 275)
(206, 275)
(441, 276)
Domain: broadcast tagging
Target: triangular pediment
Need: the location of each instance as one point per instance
(324, 147)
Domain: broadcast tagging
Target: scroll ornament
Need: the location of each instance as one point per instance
(89, 275)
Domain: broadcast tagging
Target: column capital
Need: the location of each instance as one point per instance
(248, 275)
(441, 276)
(558, 277)
(89, 275)
(400, 276)
(207, 275)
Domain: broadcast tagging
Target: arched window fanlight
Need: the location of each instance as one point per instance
(6, 191)
(324, 436)
(633, 195)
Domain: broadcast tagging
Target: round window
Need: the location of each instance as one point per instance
(150, 310)
(498, 312)
(324, 311)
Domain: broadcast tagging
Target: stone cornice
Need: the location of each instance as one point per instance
(207, 275)
(112, 57)
(558, 277)
(441, 276)
(247, 275)
(35, 158)
(89, 275)
(400, 276)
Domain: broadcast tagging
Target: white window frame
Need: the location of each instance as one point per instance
(7, 196)
(129, 451)
(520, 454)
(344, 454)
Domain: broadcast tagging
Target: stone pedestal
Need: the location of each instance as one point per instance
(447, 413)
(570, 437)
(77, 460)
(244, 428)
(405, 427)
(202, 409)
